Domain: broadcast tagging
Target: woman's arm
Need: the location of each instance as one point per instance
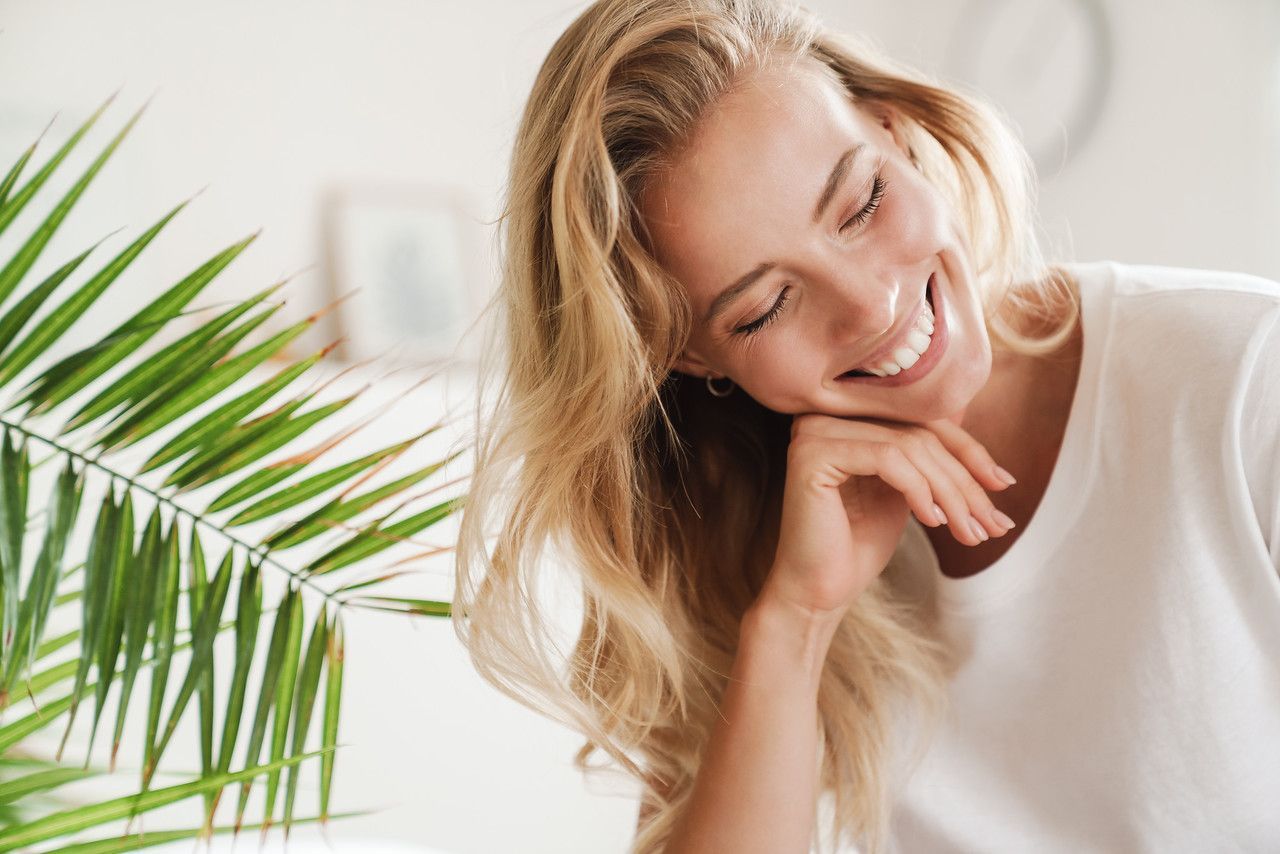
(756, 787)
(850, 485)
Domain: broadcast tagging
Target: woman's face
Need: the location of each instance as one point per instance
(805, 239)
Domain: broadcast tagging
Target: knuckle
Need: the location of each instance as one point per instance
(913, 441)
(931, 439)
(919, 431)
(972, 449)
(887, 453)
(801, 449)
(974, 493)
(801, 424)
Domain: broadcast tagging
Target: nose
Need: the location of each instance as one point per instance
(864, 306)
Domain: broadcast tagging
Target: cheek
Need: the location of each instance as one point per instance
(783, 374)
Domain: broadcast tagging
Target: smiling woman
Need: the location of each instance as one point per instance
(843, 281)
(775, 320)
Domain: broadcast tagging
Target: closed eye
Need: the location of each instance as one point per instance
(878, 187)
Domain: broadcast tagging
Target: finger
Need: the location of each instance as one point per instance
(970, 452)
(847, 428)
(979, 504)
(962, 499)
(959, 494)
(838, 460)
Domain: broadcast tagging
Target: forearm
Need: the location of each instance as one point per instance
(756, 787)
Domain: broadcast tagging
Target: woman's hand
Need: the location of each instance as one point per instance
(850, 484)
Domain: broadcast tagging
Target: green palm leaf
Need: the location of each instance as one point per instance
(166, 609)
(17, 316)
(338, 510)
(332, 702)
(142, 381)
(26, 256)
(135, 841)
(127, 583)
(286, 685)
(97, 586)
(11, 177)
(192, 386)
(138, 613)
(276, 652)
(247, 445)
(59, 321)
(198, 588)
(15, 467)
(111, 627)
(41, 781)
(216, 423)
(425, 607)
(205, 627)
(305, 490)
(248, 619)
(374, 538)
(30, 251)
(38, 601)
(71, 821)
(304, 704)
(77, 371)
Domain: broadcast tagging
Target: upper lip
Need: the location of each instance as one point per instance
(897, 338)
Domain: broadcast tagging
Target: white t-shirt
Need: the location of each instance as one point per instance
(1120, 681)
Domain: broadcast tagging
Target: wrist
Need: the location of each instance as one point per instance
(787, 628)
(779, 607)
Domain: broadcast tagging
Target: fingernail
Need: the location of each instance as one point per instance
(1004, 476)
(939, 515)
(1004, 520)
(978, 531)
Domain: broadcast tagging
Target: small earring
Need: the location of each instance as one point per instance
(711, 387)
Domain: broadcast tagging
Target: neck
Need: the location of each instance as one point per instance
(1025, 396)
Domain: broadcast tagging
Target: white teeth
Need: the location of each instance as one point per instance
(906, 357)
(917, 341)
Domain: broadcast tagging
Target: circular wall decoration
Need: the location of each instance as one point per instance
(1046, 63)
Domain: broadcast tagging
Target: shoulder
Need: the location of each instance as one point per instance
(1257, 429)
(1154, 280)
(1199, 351)
(1181, 322)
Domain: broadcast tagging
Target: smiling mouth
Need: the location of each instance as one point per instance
(929, 298)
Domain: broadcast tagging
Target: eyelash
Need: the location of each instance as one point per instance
(878, 187)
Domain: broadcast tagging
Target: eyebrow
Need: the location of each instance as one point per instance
(838, 173)
(833, 180)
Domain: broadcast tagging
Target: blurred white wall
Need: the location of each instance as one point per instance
(271, 103)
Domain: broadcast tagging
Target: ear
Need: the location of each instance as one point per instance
(692, 364)
(891, 121)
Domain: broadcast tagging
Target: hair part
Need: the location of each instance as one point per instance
(662, 501)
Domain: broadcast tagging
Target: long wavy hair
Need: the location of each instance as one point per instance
(597, 462)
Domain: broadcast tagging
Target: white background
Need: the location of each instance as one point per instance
(271, 104)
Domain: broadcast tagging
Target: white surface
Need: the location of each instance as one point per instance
(269, 103)
(299, 844)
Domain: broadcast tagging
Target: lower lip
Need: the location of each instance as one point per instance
(937, 344)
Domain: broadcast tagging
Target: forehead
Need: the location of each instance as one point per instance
(751, 173)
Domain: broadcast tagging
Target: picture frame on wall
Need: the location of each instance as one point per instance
(403, 264)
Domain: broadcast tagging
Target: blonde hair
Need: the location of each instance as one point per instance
(663, 500)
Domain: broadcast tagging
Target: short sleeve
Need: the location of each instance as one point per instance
(1260, 429)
